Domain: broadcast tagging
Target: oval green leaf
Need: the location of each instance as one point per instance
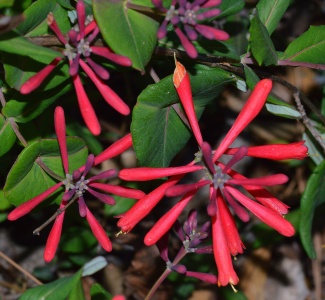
(311, 199)
(7, 135)
(135, 34)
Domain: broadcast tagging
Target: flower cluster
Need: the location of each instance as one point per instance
(222, 180)
(77, 49)
(75, 187)
(186, 15)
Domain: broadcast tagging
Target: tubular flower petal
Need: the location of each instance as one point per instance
(54, 237)
(144, 206)
(167, 220)
(182, 84)
(229, 227)
(109, 95)
(86, 109)
(296, 150)
(35, 81)
(144, 174)
(226, 272)
(210, 278)
(26, 207)
(59, 125)
(115, 149)
(265, 214)
(118, 190)
(98, 231)
(250, 110)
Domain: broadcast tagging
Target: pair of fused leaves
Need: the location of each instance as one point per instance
(70, 287)
(304, 49)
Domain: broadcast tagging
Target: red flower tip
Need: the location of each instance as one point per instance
(60, 130)
(250, 110)
(26, 207)
(144, 174)
(98, 231)
(35, 81)
(115, 149)
(183, 87)
(54, 237)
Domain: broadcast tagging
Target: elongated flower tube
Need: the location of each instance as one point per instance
(183, 87)
(295, 150)
(78, 50)
(250, 110)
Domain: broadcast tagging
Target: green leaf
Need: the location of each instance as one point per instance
(283, 111)
(157, 131)
(312, 197)
(7, 135)
(12, 43)
(135, 36)
(271, 11)
(97, 292)
(261, 44)
(314, 151)
(230, 7)
(309, 47)
(27, 179)
(35, 23)
(77, 240)
(56, 290)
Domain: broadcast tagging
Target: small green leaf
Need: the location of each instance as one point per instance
(135, 36)
(77, 240)
(261, 44)
(7, 135)
(271, 11)
(314, 151)
(27, 179)
(12, 43)
(230, 7)
(35, 23)
(312, 197)
(283, 111)
(57, 290)
(157, 131)
(97, 292)
(309, 47)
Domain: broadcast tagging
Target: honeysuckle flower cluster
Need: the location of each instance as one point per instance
(222, 180)
(184, 16)
(78, 51)
(76, 185)
(191, 236)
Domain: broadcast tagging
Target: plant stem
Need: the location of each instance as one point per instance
(15, 128)
(48, 170)
(53, 217)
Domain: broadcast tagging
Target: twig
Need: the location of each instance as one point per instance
(59, 211)
(21, 269)
(48, 170)
(2, 99)
(15, 128)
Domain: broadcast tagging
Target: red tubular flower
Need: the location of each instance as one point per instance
(54, 236)
(295, 150)
(250, 110)
(144, 206)
(183, 87)
(144, 174)
(226, 272)
(77, 49)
